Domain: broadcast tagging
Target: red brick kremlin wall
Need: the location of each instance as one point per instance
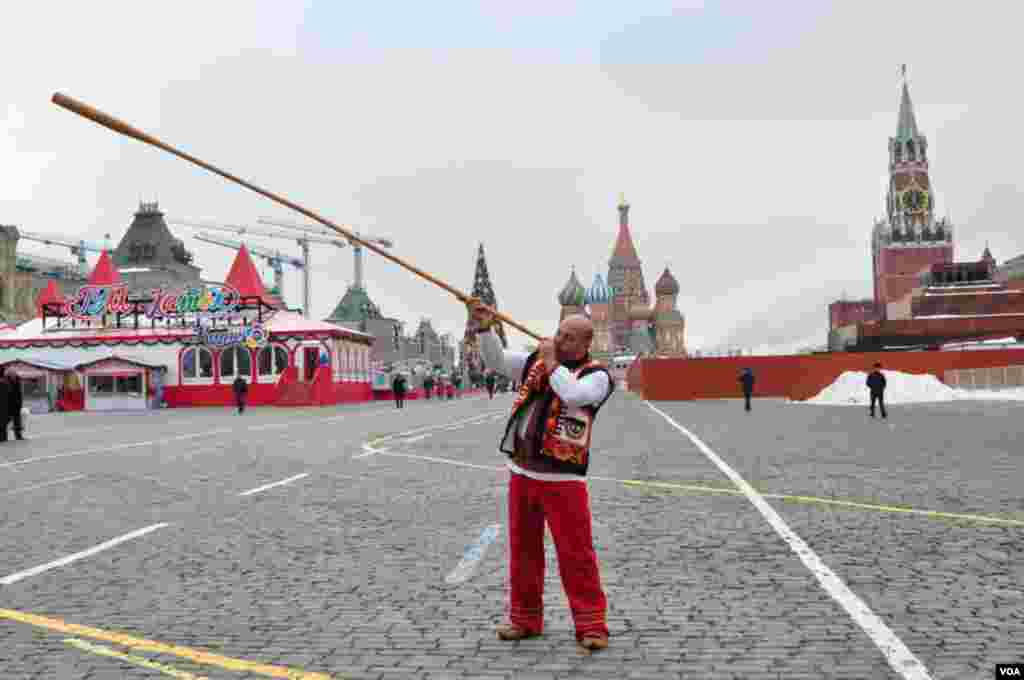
(796, 377)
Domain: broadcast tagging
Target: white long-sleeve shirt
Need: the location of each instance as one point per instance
(590, 389)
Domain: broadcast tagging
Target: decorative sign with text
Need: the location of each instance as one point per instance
(252, 336)
(91, 302)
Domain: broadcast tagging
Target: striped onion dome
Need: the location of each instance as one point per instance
(667, 284)
(573, 294)
(599, 293)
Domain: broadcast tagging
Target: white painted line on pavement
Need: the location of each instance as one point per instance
(34, 571)
(439, 460)
(271, 486)
(473, 555)
(368, 451)
(436, 427)
(416, 439)
(44, 484)
(116, 447)
(210, 433)
(901, 659)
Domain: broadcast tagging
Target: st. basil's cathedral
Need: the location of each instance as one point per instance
(624, 320)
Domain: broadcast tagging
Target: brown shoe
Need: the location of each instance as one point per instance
(510, 631)
(594, 643)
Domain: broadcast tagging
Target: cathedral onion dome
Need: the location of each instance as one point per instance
(573, 294)
(667, 284)
(599, 292)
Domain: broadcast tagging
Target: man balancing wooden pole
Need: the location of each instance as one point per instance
(547, 440)
(561, 392)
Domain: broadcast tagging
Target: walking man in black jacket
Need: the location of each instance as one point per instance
(876, 384)
(241, 389)
(15, 403)
(398, 387)
(5, 413)
(747, 380)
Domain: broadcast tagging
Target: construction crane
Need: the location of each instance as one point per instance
(79, 248)
(46, 266)
(275, 259)
(357, 249)
(303, 241)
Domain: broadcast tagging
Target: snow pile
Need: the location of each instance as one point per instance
(904, 388)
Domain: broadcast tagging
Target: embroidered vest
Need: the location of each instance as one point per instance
(557, 436)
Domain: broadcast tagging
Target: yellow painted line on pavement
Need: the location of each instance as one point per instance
(831, 501)
(137, 660)
(195, 655)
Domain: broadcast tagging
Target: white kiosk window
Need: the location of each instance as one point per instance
(101, 385)
(115, 391)
(128, 385)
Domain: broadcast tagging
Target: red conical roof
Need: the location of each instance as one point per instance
(105, 273)
(624, 251)
(245, 278)
(47, 295)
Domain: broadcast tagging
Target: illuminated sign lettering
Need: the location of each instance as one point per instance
(253, 337)
(212, 300)
(91, 302)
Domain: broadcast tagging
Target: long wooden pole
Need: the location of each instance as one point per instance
(119, 126)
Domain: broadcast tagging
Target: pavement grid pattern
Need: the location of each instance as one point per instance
(343, 572)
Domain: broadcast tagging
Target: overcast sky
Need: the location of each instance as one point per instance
(749, 137)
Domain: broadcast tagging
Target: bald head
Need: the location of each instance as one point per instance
(575, 334)
(577, 323)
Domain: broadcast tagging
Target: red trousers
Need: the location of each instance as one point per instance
(566, 508)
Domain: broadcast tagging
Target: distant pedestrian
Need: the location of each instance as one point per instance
(398, 387)
(5, 415)
(491, 380)
(876, 385)
(241, 390)
(15, 403)
(747, 381)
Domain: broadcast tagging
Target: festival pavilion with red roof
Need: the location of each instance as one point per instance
(109, 348)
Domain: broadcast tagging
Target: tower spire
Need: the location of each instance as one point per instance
(482, 289)
(625, 251)
(906, 125)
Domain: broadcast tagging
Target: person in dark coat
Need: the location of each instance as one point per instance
(15, 402)
(398, 387)
(5, 415)
(876, 385)
(241, 390)
(491, 380)
(747, 381)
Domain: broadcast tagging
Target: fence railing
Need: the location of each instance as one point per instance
(985, 378)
